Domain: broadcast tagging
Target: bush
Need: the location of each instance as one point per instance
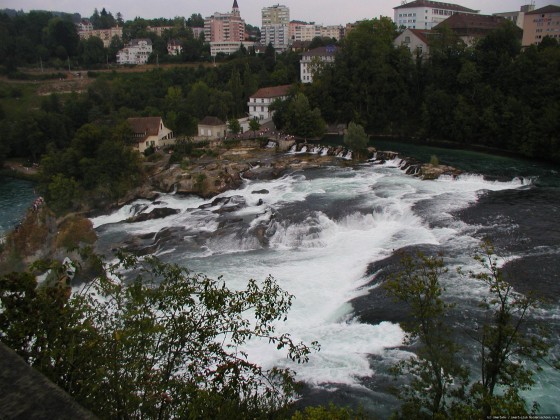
(434, 161)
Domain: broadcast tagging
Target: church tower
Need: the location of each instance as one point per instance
(235, 9)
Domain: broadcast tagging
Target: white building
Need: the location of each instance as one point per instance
(228, 47)
(259, 102)
(174, 47)
(137, 52)
(313, 60)
(275, 27)
(425, 14)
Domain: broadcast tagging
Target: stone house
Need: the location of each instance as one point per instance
(212, 128)
(150, 131)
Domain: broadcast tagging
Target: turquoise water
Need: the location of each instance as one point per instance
(16, 196)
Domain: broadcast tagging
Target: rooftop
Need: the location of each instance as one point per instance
(213, 121)
(472, 22)
(321, 51)
(546, 9)
(436, 4)
(147, 125)
(272, 92)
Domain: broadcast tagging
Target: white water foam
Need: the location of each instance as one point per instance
(322, 259)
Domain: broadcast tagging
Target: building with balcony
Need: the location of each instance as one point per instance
(275, 27)
(303, 31)
(225, 26)
(540, 23)
(224, 29)
(259, 102)
(106, 35)
(136, 52)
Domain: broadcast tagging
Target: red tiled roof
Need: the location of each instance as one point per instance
(436, 4)
(149, 126)
(272, 92)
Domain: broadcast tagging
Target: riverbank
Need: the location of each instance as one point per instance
(16, 169)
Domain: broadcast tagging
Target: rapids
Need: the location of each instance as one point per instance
(328, 236)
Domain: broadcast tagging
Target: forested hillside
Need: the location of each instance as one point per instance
(492, 94)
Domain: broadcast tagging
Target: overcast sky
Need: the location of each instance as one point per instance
(327, 12)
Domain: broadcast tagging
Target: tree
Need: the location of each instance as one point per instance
(297, 117)
(92, 51)
(254, 126)
(62, 34)
(355, 137)
(435, 370)
(163, 343)
(509, 351)
(234, 126)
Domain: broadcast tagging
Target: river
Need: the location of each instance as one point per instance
(329, 236)
(16, 196)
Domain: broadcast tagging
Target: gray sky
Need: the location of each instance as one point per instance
(327, 12)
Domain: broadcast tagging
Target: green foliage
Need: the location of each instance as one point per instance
(97, 162)
(254, 126)
(234, 126)
(296, 117)
(164, 343)
(62, 193)
(355, 137)
(331, 412)
(436, 373)
(510, 352)
(434, 161)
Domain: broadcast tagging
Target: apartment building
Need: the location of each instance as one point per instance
(225, 26)
(303, 31)
(224, 29)
(425, 14)
(540, 23)
(136, 52)
(106, 35)
(275, 27)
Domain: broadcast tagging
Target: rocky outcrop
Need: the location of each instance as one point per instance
(157, 213)
(428, 171)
